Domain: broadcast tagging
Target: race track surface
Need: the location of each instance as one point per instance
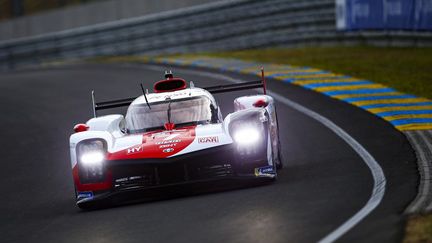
(324, 182)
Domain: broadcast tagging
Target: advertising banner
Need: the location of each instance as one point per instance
(384, 14)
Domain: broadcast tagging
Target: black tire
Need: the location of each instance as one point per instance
(279, 165)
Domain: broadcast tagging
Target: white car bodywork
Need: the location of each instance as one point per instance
(173, 144)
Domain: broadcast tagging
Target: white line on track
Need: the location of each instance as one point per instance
(376, 170)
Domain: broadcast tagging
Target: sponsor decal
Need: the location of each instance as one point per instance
(168, 141)
(128, 179)
(267, 170)
(83, 195)
(176, 94)
(164, 96)
(168, 150)
(121, 179)
(214, 139)
(167, 145)
(134, 150)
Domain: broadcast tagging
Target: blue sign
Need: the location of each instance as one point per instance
(384, 14)
(82, 195)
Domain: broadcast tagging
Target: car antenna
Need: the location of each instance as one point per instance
(93, 103)
(169, 111)
(145, 96)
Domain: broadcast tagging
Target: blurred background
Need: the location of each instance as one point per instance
(22, 18)
(53, 29)
(382, 40)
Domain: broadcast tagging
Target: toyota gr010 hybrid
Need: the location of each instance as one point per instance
(175, 135)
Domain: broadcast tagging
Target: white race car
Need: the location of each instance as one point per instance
(176, 135)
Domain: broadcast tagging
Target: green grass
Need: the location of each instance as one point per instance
(419, 229)
(406, 69)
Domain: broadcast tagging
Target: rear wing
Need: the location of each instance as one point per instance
(109, 104)
(240, 86)
(213, 89)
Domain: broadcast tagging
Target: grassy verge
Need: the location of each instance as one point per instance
(419, 229)
(406, 69)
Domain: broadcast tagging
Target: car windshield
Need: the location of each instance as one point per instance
(183, 112)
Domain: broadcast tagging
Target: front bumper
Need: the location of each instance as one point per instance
(135, 179)
(131, 195)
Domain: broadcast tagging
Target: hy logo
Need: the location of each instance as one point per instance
(134, 150)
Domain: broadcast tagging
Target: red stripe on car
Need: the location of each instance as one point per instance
(161, 144)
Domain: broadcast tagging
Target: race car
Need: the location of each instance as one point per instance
(173, 136)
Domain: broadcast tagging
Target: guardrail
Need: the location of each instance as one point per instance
(224, 25)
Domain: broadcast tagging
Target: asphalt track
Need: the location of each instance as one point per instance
(324, 182)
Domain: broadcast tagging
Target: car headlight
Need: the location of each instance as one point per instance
(91, 157)
(91, 152)
(246, 135)
(248, 130)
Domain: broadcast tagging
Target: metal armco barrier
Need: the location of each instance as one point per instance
(223, 25)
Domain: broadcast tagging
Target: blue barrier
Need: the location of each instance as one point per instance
(384, 14)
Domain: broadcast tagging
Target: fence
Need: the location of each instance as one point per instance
(224, 25)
